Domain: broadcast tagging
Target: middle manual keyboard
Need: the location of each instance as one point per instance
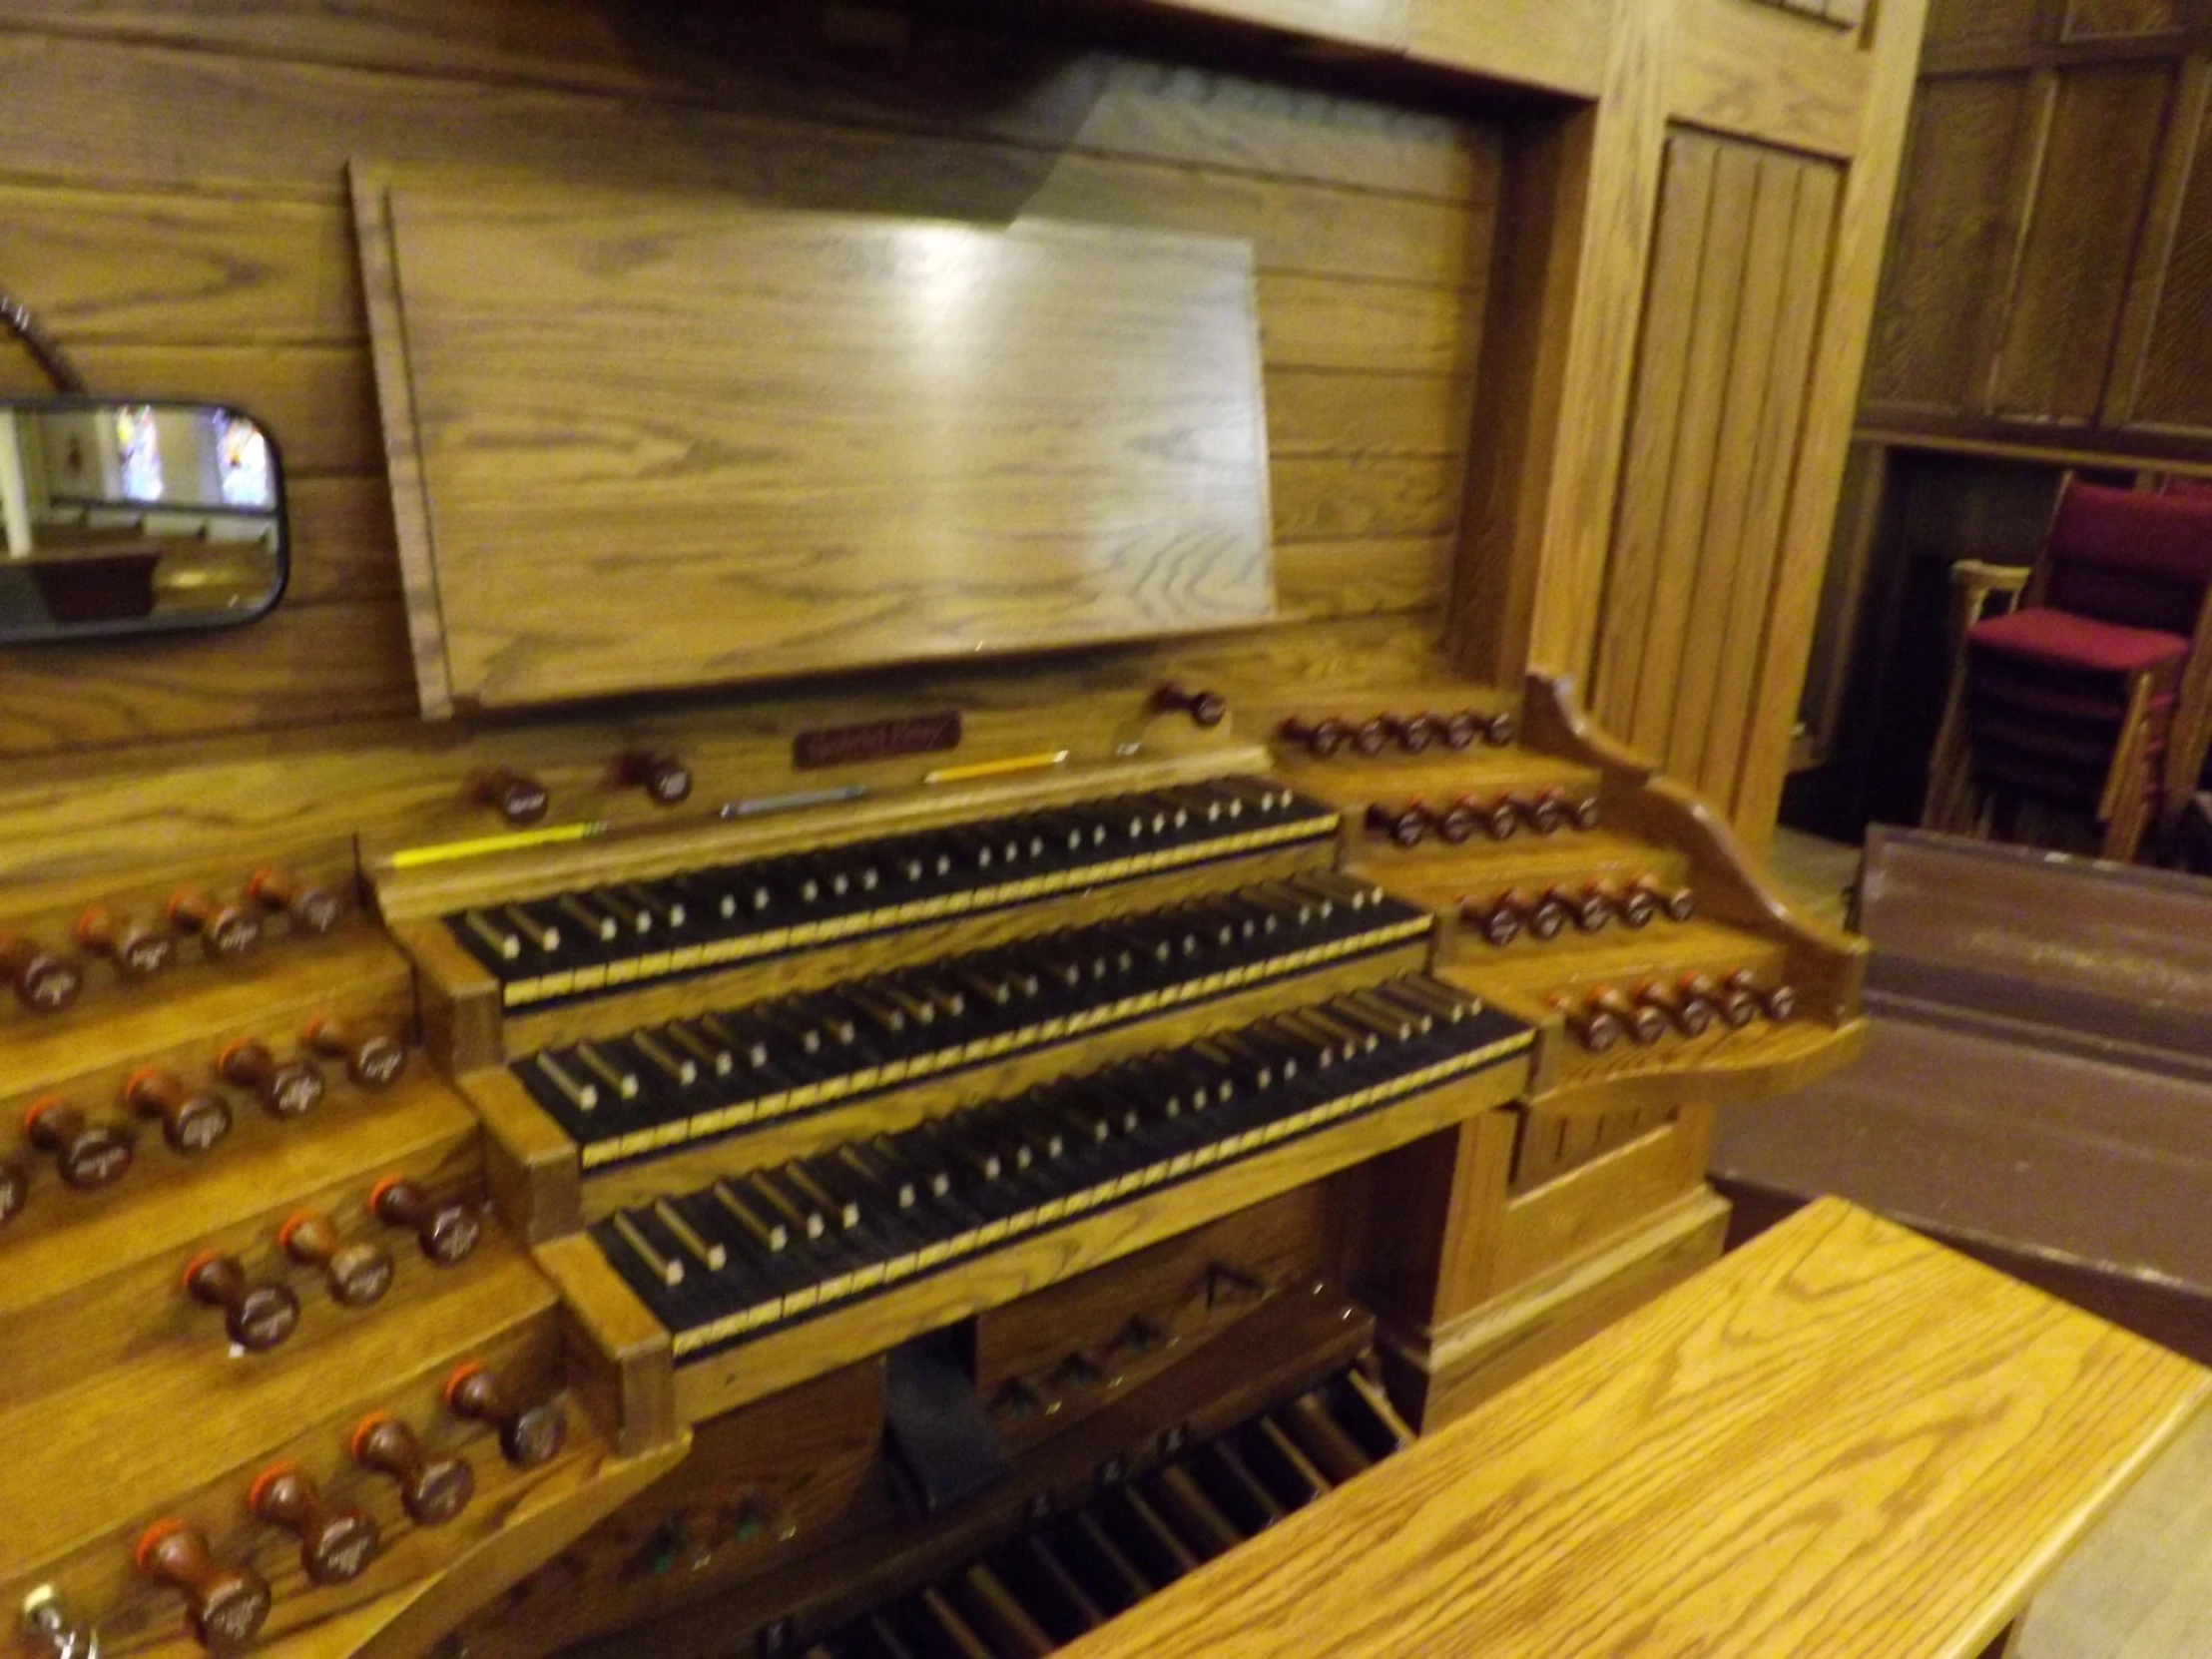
(688, 1079)
(752, 1252)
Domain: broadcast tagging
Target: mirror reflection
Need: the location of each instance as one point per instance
(124, 517)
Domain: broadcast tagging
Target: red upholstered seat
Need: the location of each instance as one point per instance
(2048, 635)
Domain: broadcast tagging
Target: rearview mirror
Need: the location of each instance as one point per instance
(129, 517)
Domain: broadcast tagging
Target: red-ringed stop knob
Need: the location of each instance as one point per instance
(15, 1186)
(373, 1059)
(1646, 1024)
(311, 906)
(191, 1120)
(138, 949)
(1594, 1028)
(667, 782)
(514, 796)
(1678, 903)
(1501, 818)
(1459, 731)
(229, 931)
(1206, 708)
(1690, 1015)
(1404, 826)
(1636, 905)
(227, 1605)
(1412, 733)
(1500, 920)
(1777, 1001)
(359, 1273)
(1545, 811)
(89, 1154)
(1322, 738)
(432, 1489)
(1370, 737)
(1457, 823)
(446, 1228)
(528, 1435)
(1734, 1005)
(1587, 910)
(257, 1316)
(45, 981)
(337, 1541)
(286, 1088)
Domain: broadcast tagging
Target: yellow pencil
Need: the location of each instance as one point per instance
(995, 769)
(415, 858)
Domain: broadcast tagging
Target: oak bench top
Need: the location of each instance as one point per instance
(1841, 1440)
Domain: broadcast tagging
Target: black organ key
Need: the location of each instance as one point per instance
(1364, 1411)
(586, 921)
(1114, 1581)
(1332, 1451)
(885, 1642)
(993, 1611)
(1278, 1460)
(1143, 1537)
(1235, 1489)
(1050, 1591)
(1176, 1498)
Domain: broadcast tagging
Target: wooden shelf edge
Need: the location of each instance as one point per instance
(1719, 1081)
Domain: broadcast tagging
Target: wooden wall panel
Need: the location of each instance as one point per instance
(2173, 374)
(2094, 183)
(2050, 261)
(202, 248)
(1737, 278)
(1950, 242)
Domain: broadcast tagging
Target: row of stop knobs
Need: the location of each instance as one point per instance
(1605, 1014)
(1546, 812)
(47, 978)
(1547, 913)
(1412, 734)
(261, 1315)
(228, 1603)
(95, 1148)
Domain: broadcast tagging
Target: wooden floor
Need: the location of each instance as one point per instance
(1817, 873)
(2140, 1585)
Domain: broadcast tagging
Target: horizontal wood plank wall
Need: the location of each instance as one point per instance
(171, 193)
(1737, 278)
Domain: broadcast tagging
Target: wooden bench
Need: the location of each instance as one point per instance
(1840, 1442)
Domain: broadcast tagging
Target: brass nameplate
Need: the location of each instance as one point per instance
(877, 740)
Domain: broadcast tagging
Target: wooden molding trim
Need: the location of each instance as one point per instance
(1755, 72)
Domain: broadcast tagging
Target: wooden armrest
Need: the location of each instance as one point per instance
(1841, 1440)
(1979, 573)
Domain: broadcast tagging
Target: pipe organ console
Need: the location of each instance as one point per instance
(912, 1047)
(926, 1221)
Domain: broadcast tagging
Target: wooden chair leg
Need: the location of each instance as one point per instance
(1948, 804)
(2124, 809)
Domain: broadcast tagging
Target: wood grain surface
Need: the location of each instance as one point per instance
(768, 444)
(1841, 1440)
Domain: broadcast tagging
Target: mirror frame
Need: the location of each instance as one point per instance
(72, 402)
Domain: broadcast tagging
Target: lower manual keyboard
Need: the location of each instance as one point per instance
(766, 1248)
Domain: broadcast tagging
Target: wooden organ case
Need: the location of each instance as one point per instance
(910, 1159)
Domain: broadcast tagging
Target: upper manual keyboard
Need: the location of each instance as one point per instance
(593, 939)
